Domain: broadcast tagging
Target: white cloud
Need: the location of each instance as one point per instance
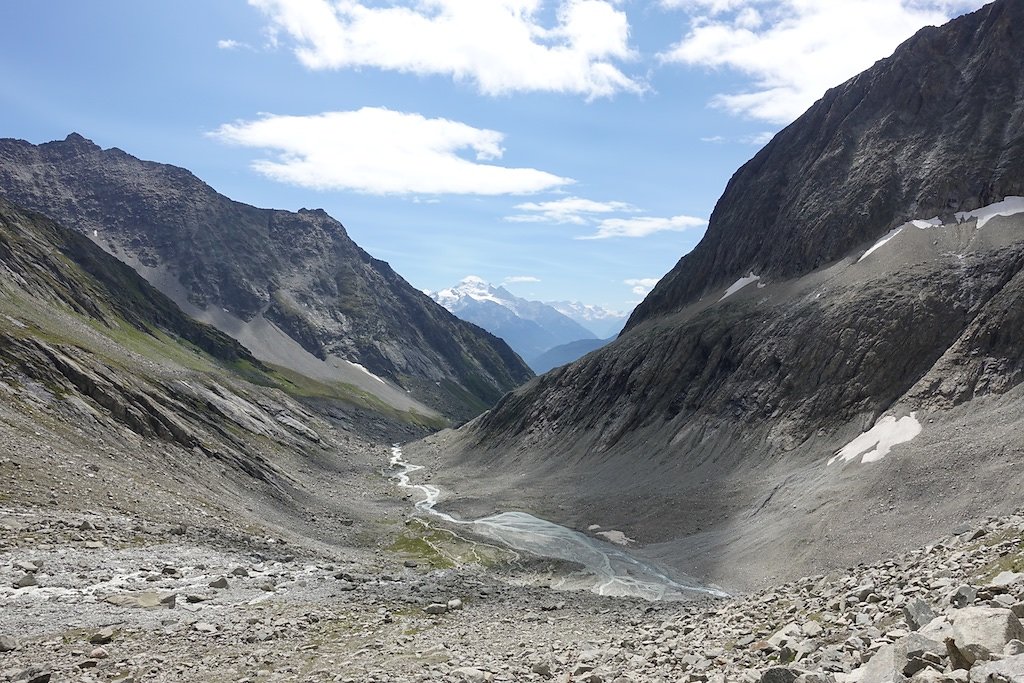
(641, 286)
(501, 46)
(573, 210)
(380, 151)
(642, 226)
(794, 50)
(519, 278)
(758, 139)
(229, 44)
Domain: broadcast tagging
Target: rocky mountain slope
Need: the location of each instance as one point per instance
(932, 130)
(529, 327)
(838, 306)
(565, 353)
(292, 286)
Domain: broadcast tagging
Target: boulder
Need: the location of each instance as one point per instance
(470, 674)
(1005, 580)
(963, 596)
(141, 600)
(780, 674)
(897, 662)
(979, 629)
(103, 636)
(1008, 670)
(917, 613)
(26, 580)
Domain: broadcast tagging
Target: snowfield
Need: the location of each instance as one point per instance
(881, 243)
(739, 284)
(1007, 207)
(875, 444)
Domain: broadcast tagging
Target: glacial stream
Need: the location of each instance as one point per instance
(609, 570)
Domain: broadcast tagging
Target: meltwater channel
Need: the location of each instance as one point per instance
(614, 570)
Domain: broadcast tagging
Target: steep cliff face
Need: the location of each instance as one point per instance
(936, 128)
(846, 299)
(299, 271)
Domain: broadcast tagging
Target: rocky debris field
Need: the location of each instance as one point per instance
(92, 597)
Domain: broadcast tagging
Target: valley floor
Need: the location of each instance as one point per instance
(146, 572)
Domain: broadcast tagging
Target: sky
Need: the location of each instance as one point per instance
(569, 149)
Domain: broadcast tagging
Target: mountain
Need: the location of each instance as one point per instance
(148, 478)
(601, 321)
(566, 353)
(292, 286)
(529, 327)
(89, 348)
(873, 153)
(835, 372)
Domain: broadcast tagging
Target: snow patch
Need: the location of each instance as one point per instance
(616, 537)
(360, 367)
(1007, 207)
(740, 284)
(875, 444)
(881, 243)
(924, 225)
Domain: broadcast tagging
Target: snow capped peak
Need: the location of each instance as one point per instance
(580, 311)
(601, 321)
(471, 287)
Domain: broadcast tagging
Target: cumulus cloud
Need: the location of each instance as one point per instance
(587, 212)
(758, 139)
(642, 226)
(641, 286)
(794, 50)
(574, 210)
(514, 279)
(381, 151)
(501, 46)
(229, 44)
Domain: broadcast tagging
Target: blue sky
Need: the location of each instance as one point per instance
(573, 149)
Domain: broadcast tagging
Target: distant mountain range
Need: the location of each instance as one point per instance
(531, 328)
(565, 353)
(600, 321)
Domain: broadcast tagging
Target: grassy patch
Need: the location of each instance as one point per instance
(301, 386)
(1012, 562)
(424, 548)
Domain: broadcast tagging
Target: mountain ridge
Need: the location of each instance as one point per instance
(840, 175)
(299, 272)
(709, 428)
